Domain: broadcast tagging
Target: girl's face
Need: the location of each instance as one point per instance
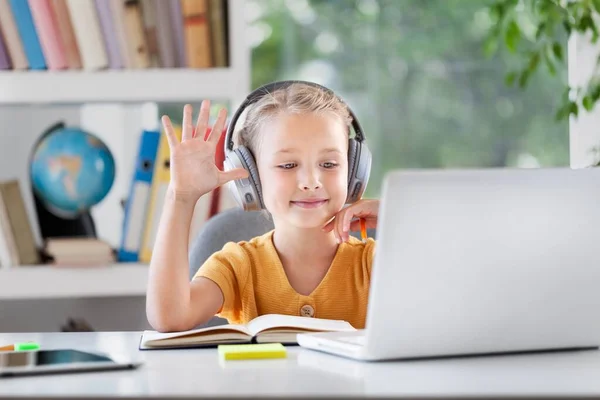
(302, 161)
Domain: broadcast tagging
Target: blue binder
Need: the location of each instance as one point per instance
(139, 196)
(28, 34)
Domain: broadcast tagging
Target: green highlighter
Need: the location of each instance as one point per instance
(252, 351)
(26, 346)
(23, 346)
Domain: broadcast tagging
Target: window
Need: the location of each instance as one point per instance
(415, 74)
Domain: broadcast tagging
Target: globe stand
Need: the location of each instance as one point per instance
(52, 225)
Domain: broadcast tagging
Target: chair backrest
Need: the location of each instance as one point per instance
(232, 225)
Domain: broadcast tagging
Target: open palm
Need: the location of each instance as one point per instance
(192, 163)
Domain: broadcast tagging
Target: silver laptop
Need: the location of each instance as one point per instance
(473, 262)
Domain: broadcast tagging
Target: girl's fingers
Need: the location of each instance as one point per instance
(202, 122)
(237, 173)
(215, 133)
(355, 225)
(346, 224)
(168, 127)
(339, 224)
(187, 128)
(329, 226)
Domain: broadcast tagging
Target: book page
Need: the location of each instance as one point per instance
(296, 323)
(187, 336)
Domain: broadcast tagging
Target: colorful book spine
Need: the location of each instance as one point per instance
(110, 34)
(88, 34)
(4, 58)
(47, 29)
(196, 33)
(29, 37)
(12, 40)
(136, 207)
(65, 28)
(178, 35)
(165, 36)
(158, 191)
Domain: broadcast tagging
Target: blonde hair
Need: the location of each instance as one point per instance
(297, 98)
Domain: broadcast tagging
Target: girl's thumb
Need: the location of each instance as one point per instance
(238, 173)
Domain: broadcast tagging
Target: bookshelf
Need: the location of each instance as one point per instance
(27, 282)
(129, 86)
(101, 101)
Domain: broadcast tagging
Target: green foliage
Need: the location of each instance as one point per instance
(536, 30)
(415, 75)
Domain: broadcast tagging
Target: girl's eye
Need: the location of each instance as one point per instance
(287, 166)
(329, 165)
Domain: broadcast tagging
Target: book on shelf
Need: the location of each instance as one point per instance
(78, 251)
(269, 328)
(17, 243)
(113, 34)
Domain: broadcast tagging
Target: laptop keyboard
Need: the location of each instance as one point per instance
(358, 340)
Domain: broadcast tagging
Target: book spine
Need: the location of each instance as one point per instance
(177, 28)
(29, 37)
(65, 29)
(197, 33)
(110, 36)
(12, 40)
(47, 28)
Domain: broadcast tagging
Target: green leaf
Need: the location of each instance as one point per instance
(596, 5)
(573, 109)
(560, 114)
(534, 61)
(557, 49)
(540, 30)
(594, 93)
(550, 65)
(567, 27)
(524, 78)
(490, 46)
(588, 103)
(512, 36)
(510, 78)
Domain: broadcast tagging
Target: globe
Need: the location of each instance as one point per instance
(71, 171)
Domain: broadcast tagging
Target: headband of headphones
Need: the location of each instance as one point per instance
(273, 86)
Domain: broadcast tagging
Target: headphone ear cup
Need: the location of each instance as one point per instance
(255, 188)
(359, 169)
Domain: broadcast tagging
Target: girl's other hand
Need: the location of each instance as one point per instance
(348, 219)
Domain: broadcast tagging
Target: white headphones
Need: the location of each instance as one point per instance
(248, 192)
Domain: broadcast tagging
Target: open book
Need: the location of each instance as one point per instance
(271, 328)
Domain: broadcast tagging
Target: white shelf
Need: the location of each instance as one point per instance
(140, 85)
(50, 282)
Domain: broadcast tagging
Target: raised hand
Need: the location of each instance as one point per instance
(192, 163)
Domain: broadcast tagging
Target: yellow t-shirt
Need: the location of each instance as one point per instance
(253, 282)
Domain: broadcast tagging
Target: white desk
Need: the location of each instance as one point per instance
(199, 373)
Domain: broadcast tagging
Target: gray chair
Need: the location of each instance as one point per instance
(233, 225)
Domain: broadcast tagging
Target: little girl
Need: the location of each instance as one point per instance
(308, 265)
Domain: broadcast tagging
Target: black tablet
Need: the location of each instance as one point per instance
(17, 363)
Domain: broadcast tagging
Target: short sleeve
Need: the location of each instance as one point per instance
(368, 254)
(228, 268)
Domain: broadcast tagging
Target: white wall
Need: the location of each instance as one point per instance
(119, 127)
(584, 131)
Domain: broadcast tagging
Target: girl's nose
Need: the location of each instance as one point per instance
(310, 181)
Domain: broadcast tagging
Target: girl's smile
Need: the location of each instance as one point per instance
(310, 203)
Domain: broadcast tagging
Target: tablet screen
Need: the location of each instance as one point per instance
(48, 357)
